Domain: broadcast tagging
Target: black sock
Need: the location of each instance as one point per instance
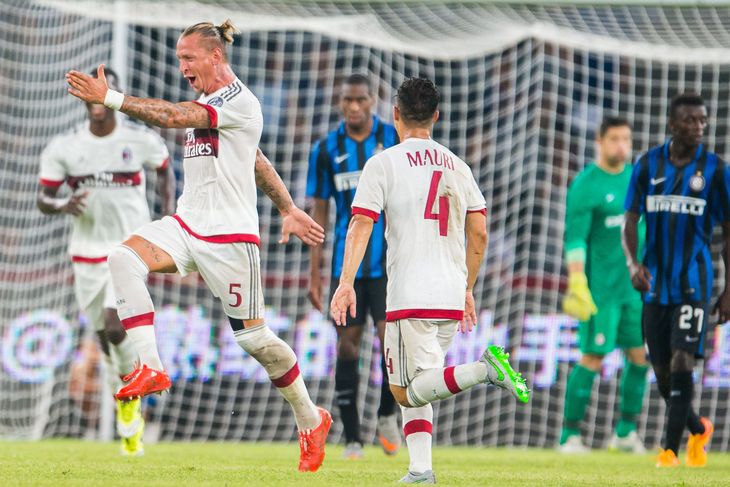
(346, 382)
(680, 403)
(694, 425)
(387, 401)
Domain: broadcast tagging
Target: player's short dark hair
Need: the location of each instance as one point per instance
(686, 98)
(357, 79)
(611, 122)
(418, 99)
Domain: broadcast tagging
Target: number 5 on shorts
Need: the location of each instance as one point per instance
(232, 290)
(685, 317)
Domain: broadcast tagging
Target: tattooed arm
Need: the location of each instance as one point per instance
(166, 114)
(270, 183)
(295, 221)
(154, 111)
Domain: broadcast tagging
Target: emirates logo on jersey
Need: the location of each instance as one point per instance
(105, 180)
(201, 143)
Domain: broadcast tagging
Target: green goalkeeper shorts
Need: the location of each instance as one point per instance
(614, 326)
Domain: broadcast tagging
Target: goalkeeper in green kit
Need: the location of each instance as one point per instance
(599, 292)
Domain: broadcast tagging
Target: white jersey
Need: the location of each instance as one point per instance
(111, 170)
(218, 203)
(425, 191)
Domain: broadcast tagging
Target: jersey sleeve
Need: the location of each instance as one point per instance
(636, 194)
(156, 154)
(475, 202)
(319, 173)
(53, 169)
(721, 193)
(239, 112)
(371, 195)
(578, 218)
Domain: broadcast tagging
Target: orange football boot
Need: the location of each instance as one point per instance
(311, 443)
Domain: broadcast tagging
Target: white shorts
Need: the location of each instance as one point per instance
(232, 271)
(94, 291)
(415, 345)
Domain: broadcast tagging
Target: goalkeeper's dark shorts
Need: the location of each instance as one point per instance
(613, 326)
(674, 327)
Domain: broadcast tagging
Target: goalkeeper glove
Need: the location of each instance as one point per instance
(578, 302)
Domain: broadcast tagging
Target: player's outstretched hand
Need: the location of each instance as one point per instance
(640, 277)
(297, 222)
(86, 87)
(470, 314)
(76, 204)
(723, 307)
(343, 300)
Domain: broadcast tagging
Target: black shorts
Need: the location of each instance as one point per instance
(674, 327)
(370, 295)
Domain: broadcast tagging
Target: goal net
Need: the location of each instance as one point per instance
(523, 87)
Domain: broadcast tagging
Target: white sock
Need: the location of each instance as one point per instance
(280, 363)
(417, 427)
(145, 342)
(434, 384)
(134, 305)
(124, 357)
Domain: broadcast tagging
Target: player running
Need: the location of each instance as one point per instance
(215, 230)
(683, 190)
(334, 169)
(103, 161)
(596, 271)
(431, 200)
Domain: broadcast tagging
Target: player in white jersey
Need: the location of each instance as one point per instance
(103, 161)
(431, 200)
(216, 228)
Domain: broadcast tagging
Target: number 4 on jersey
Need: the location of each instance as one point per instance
(443, 213)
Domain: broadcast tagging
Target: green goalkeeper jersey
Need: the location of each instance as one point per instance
(595, 212)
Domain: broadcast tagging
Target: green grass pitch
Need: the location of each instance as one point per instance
(81, 463)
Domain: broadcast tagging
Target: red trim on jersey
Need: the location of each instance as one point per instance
(356, 210)
(51, 183)
(417, 426)
(164, 164)
(288, 378)
(483, 211)
(147, 319)
(212, 114)
(450, 380)
(87, 260)
(226, 238)
(428, 314)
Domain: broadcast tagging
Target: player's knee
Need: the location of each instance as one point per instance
(400, 395)
(124, 261)
(682, 361)
(347, 349)
(636, 356)
(591, 361)
(115, 332)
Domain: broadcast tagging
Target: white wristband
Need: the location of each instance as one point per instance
(113, 99)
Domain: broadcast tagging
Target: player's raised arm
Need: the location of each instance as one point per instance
(151, 110)
(295, 220)
(476, 245)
